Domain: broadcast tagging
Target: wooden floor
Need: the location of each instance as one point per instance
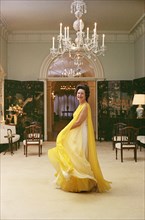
(57, 127)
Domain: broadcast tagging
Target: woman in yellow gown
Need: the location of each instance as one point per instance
(75, 157)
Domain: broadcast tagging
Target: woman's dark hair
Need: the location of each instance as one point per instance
(85, 88)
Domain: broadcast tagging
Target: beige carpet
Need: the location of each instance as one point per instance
(28, 191)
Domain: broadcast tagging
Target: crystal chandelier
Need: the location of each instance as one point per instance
(67, 87)
(71, 73)
(84, 44)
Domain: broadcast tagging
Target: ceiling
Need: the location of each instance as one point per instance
(45, 15)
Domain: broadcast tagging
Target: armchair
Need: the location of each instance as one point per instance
(33, 137)
(141, 136)
(10, 140)
(117, 133)
(5, 131)
(128, 141)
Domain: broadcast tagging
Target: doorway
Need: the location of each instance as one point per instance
(62, 103)
(53, 69)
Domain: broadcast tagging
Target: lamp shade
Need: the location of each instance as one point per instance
(139, 99)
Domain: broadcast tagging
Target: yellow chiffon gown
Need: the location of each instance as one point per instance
(75, 157)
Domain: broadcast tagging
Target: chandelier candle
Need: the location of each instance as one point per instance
(87, 33)
(60, 29)
(68, 33)
(103, 37)
(53, 40)
(64, 33)
(84, 45)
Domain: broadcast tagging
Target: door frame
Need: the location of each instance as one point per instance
(99, 75)
(48, 103)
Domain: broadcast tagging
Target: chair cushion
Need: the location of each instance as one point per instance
(14, 139)
(118, 145)
(141, 139)
(3, 133)
(32, 142)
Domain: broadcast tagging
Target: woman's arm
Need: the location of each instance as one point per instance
(81, 118)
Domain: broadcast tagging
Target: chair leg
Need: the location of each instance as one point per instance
(11, 147)
(26, 151)
(113, 146)
(116, 153)
(16, 146)
(39, 150)
(121, 155)
(135, 155)
(140, 147)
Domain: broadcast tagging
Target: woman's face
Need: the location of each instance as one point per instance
(81, 96)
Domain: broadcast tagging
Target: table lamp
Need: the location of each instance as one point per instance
(139, 99)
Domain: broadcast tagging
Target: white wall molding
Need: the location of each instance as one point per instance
(138, 29)
(97, 66)
(3, 29)
(46, 37)
(29, 37)
(2, 76)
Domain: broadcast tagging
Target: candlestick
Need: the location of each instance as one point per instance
(80, 26)
(67, 32)
(103, 37)
(53, 39)
(95, 29)
(87, 33)
(94, 35)
(60, 29)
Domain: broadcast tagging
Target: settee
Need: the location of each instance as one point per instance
(4, 141)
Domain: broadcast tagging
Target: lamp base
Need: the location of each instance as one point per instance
(140, 111)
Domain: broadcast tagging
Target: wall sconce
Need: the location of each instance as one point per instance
(139, 99)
